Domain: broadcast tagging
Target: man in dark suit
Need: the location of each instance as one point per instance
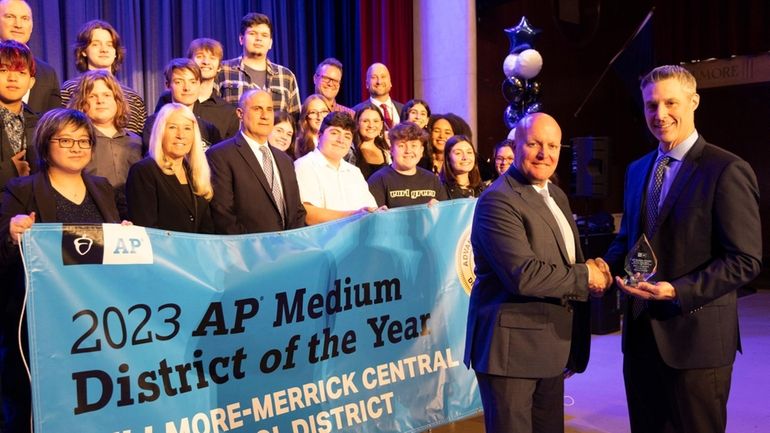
(699, 207)
(16, 24)
(255, 188)
(528, 320)
(378, 83)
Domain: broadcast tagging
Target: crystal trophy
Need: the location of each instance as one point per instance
(641, 263)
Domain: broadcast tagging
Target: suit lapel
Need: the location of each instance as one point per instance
(688, 168)
(537, 204)
(563, 203)
(172, 184)
(251, 160)
(43, 193)
(636, 194)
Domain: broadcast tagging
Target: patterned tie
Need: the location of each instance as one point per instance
(652, 202)
(275, 187)
(653, 196)
(386, 115)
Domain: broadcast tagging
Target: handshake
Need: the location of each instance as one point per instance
(599, 276)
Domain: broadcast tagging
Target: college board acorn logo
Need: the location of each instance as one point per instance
(464, 261)
(82, 244)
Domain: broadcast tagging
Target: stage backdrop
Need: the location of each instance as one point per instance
(355, 325)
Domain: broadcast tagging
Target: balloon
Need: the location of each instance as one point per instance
(528, 64)
(511, 134)
(513, 89)
(509, 64)
(533, 108)
(511, 117)
(533, 88)
(521, 36)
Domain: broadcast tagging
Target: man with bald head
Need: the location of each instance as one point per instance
(528, 323)
(16, 24)
(378, 83)
(255, 187)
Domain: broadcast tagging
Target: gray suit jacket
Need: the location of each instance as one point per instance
(527, 316)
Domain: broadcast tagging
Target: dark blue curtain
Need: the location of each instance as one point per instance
(155, 31)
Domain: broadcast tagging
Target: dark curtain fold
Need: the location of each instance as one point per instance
(688, 30)
(304, 33)
(386, 37)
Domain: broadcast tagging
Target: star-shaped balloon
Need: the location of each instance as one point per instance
(521, 36)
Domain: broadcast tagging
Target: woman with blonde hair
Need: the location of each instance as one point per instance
(99, 95)
(171, 189)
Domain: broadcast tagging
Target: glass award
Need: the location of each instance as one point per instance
(641, 263)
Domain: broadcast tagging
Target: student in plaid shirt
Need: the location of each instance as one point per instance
(253, 70)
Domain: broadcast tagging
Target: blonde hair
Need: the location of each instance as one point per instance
(665, 72)
(199, 171)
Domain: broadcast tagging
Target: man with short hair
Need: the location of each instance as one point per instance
(378, 83)
(327, 80)
(403, 183)
(252, 70)
(207, 53)
(698, 205)
(330, 187)
(16, 24)
(17, 121)
(255, 187)
(528, 319)
(183, 80)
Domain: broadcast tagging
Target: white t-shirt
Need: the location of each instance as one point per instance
(325, 186)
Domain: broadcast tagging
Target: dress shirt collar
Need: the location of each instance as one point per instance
(680, 151)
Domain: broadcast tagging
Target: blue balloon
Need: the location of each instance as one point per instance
(521, 36)
(533, 108)
(513, 88)
(511, 117)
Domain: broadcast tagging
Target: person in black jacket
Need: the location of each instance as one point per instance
(170, 189)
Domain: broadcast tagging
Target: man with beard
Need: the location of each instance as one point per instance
(253, 70)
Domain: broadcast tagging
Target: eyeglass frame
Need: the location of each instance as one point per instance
(73, 141)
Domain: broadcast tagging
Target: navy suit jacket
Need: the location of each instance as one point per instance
(45, 94)
(526, 317)
(708, 242)
(243, 202)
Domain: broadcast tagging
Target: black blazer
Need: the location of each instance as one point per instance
(242, 200)
(527, 316)
(34, 193)
(45, 94)
(708, 242)
(7, 169)
(154, 201)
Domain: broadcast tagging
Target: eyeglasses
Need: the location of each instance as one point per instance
(68, 143)
(317, 113)
(501, 159)
(329, 80)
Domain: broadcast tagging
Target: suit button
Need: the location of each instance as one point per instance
(191, 218)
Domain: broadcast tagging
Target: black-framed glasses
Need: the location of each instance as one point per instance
(68, 143)
(319, 114)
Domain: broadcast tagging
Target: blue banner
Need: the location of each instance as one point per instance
(351, 326)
